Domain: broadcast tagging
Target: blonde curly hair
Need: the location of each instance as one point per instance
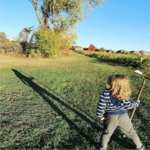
(119, 85)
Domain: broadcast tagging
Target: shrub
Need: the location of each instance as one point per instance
(94, 55)
(35, 53)
(9, 46)
(47, 42)
(24, 46)
(102, 50)
(96, 49)
(128, 53)
(91, 48)
(64, 48)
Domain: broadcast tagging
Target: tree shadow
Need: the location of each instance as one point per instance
(88, 114)
(44, 94)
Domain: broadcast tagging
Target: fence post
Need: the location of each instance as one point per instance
(131, 60)
(141, 61)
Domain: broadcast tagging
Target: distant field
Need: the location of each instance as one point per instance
(52, 104)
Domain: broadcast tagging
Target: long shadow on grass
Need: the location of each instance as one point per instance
(28, 81)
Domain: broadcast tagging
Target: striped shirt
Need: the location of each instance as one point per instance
(113, 106)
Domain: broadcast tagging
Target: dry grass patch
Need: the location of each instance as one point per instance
(11, 60)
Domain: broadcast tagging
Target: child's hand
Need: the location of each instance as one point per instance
(138, 101)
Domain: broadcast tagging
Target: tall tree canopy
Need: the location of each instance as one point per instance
(59, 15)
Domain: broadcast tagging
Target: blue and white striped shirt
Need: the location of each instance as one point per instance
(113, 106)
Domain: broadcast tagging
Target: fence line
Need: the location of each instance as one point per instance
(122, 60)
(135, 62)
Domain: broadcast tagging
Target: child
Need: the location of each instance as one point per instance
(115, 101)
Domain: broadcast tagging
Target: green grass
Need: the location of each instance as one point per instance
(52, 104)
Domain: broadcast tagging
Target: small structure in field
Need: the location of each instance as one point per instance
(78, 48)
(135, 52)
(109, 51)
(122, 51)
(145, 53)
(85, 48)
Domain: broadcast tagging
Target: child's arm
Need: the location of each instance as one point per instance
(129, 105)
(101, 106)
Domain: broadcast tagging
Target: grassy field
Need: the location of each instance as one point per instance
(52, 103)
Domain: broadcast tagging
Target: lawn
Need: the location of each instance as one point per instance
(52, 103)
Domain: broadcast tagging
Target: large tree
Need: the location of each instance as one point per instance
(60, 15)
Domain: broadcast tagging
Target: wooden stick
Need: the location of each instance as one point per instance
(144, 81)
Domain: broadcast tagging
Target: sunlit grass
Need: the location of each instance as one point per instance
(52, 103)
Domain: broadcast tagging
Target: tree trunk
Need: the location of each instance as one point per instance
(46, 14)
(37, 13)
(29, 42)
(53, 12)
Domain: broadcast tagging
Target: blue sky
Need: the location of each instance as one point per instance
(119, 24)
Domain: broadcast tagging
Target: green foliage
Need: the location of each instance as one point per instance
(64, 49)
(123, 59)
(60, 17)
(102, 49)
(35, 53)
(141, 51)
(96, 49)
(123, 52)
(48, 42)
(146, 63)
(9, 46)
(93, 55)
(73, 11)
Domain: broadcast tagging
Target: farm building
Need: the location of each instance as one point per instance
(78, 48)
(109, 51)
(145, 53)
(121, 51)
(85, 48)
(135, 52)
